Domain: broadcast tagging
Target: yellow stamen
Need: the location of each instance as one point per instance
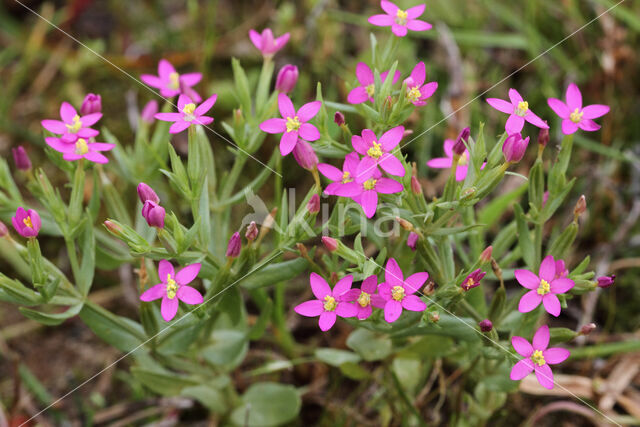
(75, 126)
(375, 151)
(188, 110)
(538, 358)
(364, 299)
(401, 17)
(522, 108)
(329, 303)
(464, 159)
(27, 222)
(346, 177)
(397, 293)
(175, 80)
(544, 288)
(293, 124)
(576, 116)
(371, 89)
(82, 147)
(370, 184)
(172, 287)
(413, 94)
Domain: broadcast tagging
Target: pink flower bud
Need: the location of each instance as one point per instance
(485, 256)
(252, 231)
(587, 329)
(330, 243)
(416, 188)
(20, 158)
(514, 148)
(92, 104)
(26, 223)
(581, 206)
(543, 136)
(545, 197)
(3, 229)
(113, 227)
(485, 325)
(473, 279)
(404, 223)
(304, 155)
(313, 206)
(154, 214)
(149, 111)
(606, 281)
(412, 240)
(459, 147)
(234, 246)
(338, 118)
(146, 193)
(287, 78)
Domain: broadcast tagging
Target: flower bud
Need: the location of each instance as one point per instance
(338, 118)
(234, 246)
(485, 325)
(149, 111)
(545, 197)
(3, 229)
(252, 231)
(514, 148)
(412, 240)
(434, 317)
(92, 104)
(606, 281)
(304, 155)
(404, 223)
(20, 158)
(330, 243)
(472, 280)
(287, 78)
(154, 214)
(543, 136)
(485, 256)
(581, 207)
(416, 188)
(587, 329)
(26, 222)
(303, 250)
(313, 206)
(113, 227)
(459, 147)
(145, 193)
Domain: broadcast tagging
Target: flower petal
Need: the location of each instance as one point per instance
(418, 25)
(54, 126)
(390, 164)
(521, 369)
(364, 75)
(392, 310)
(500, 105)
(168, 117)
(359, 144)
(206, 105)
(151, 80)
(327, 320)
(415, 11)
(189, 295)
(179, 126)
(165, 69)
(346, 309)
(311, 308)
(514, 97)
(418, 74)
(342, 286)
(514, 124)
(164, 270)
(308, 111)
(529, 301)
(358, 95)
(388, 7)
(169, 308)
(274, 125)
(67, 112)
(370, 284)
(391, 138)
(559, 107)
(548, 269)
(588, 125)
(309, 132)
(319, 286)
(95, 157)
(350, 189)
(188, 273)
(569, 127)
(398, 30)
(551, 304)
(364, 312)
(381, 20)
(527, 279)
(574, 97)
(190, 79)
(154, 292)
(556, 355)
(288, 142)
(256, 39)
(594, 111)
(393, 274)
(369, 202)
(541, 338)
(384, 291)
(562, 285)
(388, 186)
(521, 346)
(413, 303)
(90, 119)
(330, 171)
(535, 120)
(544, 376)
(285, 106)
(414, 282)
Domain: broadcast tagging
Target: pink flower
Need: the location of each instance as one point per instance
(378, 152)
(287, 78)
(26, 223)
(266, 43)
(472, 280)
(21, 158)
(171, 83)
(367, 87)
(446, 162)
(80, 149)
(519, 112)
(412, 240)
(304, 155)
(293, 124)
(234, 246)
(72, 125)
(400, 20)
(514, 147)
(543, 288)
(537, 357)
(574, 115)
(399, 293)
(417, 91)
(365, 298)
(370, 187)
(328, 304)
(189, 114)
(313, 205)
(174, 288)
(145, 192)
(153, 213)
(343, 184)
(92, 103)
(149, 111)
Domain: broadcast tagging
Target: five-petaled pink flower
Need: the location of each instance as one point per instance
(370, 185)
(377, 152)
(72, 126)
(446, 162)
(189, 114)
(367, 87)
(417, 91)
(543, 288)
(266, 43)
(81, 149)
(574, 115)
(26, 223)
(293, 124)
(366, 297)
(398, 292)
(343, 184)
(173, 288)
(537, 357)
(328, 304)
(400, 20)
(171, 83)
(519, 112)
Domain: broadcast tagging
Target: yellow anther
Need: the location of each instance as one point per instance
(401, 17)
(174, 80)
(544, 288)
(375, 151)
(371, 89)
(522, 108)
(538, 358)
(82, 147)
(370, 184)
(414, 94)
(397, 293)
(75, 126)
(329, 303)
(293, 124)
(364, 299)
(27, 222)
(576, 116)
(464, 159)
(172, 287)
(346, 177)
(188, 110)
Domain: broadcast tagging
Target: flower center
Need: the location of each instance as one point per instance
(188, 110)
(370, 184)
(401, 17)
(82, 147)
(27, 222)
(371, 89)
(397, 293)
(346, 177)
(375, 151)
(413, 94)
(364, 299)
(464, 159)
(174, 79)
(75, 126)
(468, 284)
(544, 288)
(522, 108)
(172, 287)
(538, 358)
(329, 303)
(576, 116)
(293, 124)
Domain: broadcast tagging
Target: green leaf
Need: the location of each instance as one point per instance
(369, 345)
(335, 357)
(87, 266)
(524, 237)
(163, 383)
(275, 273)
(229, 348)
(122, 333)
(267, 404)
(209, 396)
(492, 211)
(51, 319)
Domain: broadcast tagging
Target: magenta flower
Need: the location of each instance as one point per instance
(343, 184)
(26, 223)
(574, 115)
(72, 126)
(378, 152)
(328, 304)
(514, 147)
(606, 281)
(519, 112)
(293, 124)
(370, 187)
(367, 87)
(92, 103)
(537, 357)
(153, 213)
(304, 155)
(174, 288)
(417, 91)
(399, 293)
(234, 246)
(473, 279)
(287, 78)
(365, 298)
(81, 149)
(149, 111)
(543, 288)
(400, 20)
(412, 240)
(446, 162)
(21, 158)
(171, 83)
(266, 43)
(189, 114)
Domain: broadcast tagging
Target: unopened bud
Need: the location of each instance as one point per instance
(304, 155)
(404, 223)
(338, 118)
(468, 193)
(606, 281)
(496, 269)
(330, 243)
(587, 329)
(252, 231)
(333, 278)
(514, 148)
(545, 197)
(234, 246)
(407, 132)
(429, 288)
(145, 192)
(92, 104)
(3, 229)
(20, 158)
(113, 227)
(416, 188)
(412, 240)
(581, 207)
(434, 317)
(313, 206)
(543, 136)
(459, 147)
(303, 250)
(485, 325)
(485, 256)
(287, 78)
